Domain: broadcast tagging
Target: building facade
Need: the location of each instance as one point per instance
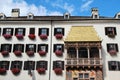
(59, 47)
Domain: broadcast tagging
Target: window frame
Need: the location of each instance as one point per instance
(42, 45)
(29, 65)
(56, 46)
(18, 47)
(6, 47)
(58, 64)
(31, 47)
(5, 66)
(8, 31)
(20, 31)
(57, 31)
(42, 64)
(41, 31)
(16, 64)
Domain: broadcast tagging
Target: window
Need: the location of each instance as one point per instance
(118, 16)
(7, 32)
(20, 32)
(41, 64)
(83, 76)
(110, 31)
(59, 47)
(29, 65)
(112, 48)
(43, 33)
(16, 64)
(18, 47)
(30, 47)
(58, 31)
(58, 64)
(4, 64)
(32, 31)
(42, 49)
(5, 49)
(114, 65)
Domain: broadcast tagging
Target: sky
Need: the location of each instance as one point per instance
(106, 8)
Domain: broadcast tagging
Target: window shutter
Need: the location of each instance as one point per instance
(46, 47)
(27, 49)
(39, 32)
(55, 45)
(115, 31)
(37, 65)
(4, 31)
(55, 29)
(15, 47)
(32, 31)
(0, 31)
(116, 46)
(39, 47)
(24, 31)
(46, 65)
(25, 65)
(12, 31)
(63, 31)
(54, 65)
(106, 30)
(119, 66)
(20, 66)
(10, 47)
(108, 47)
(12, 64)
(16, 31)
(62, 65)
(34, 47)
(47, 31)
(2, 47)
(109, 65)
(62, 47)
(22, 45)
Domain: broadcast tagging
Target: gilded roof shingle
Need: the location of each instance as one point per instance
(82, 33)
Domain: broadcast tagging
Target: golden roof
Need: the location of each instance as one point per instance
(82, 33)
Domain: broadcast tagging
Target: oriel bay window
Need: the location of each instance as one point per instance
(7, 32)
(42, 49)
(41, 66)
(59, 33)
(18, 49)
(30, 49)
(110, 31)
(19, 33)
(4, 66)
(43, 33)
(5, 49)
(59, 49)
(16, 66)
(58, 66)
(114, 65)
(32, 33)
(112, 48)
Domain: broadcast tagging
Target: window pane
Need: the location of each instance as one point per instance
(92, 79)
(43, 31)
(81, 75)
(86, 75)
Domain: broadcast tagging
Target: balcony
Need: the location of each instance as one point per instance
(83, 62)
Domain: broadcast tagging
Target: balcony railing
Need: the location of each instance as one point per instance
(83, 61)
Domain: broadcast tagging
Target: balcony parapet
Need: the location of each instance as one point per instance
(83, 61)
